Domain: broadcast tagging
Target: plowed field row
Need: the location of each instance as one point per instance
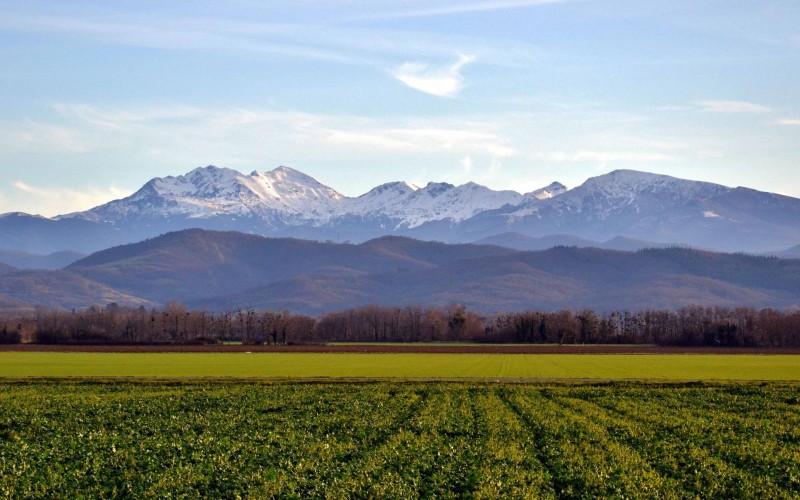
(399, 440)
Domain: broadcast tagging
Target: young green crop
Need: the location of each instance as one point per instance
(415, 365)
(379, 440)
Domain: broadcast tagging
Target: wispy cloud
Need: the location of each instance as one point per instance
(601, 156)
(441, 81)
(30, 135)
(169, 132)
(49, 201)
(732, 107)
(330, 40)
(423, 139)
(789, 122)
(451, 8)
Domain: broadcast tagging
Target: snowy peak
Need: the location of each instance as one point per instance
(409, 206)
(386, 195)
(545, 193)
(205, 182)
(212, 191)
(292, 190)
(285, 181)
(624, 183)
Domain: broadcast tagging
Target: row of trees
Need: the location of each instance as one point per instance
(690, 326)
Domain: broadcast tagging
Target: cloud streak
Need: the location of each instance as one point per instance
(601, 156)
(441, 81)
(463, 8)
(728, 107)
(49, 201)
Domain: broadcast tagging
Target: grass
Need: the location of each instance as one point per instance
(237, 439)
(401, 366)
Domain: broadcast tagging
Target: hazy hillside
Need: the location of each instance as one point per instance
(196, 263)
(519, 241)
(25, 260)
(223, 270)
(61, 289)
(790, 253)
(5, 269)
(552, 279)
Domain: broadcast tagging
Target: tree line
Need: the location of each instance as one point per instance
(176, 324)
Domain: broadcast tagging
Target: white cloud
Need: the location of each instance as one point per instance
(328, 38)
(732, 107)
(601, 156)
(466, 163)
(179, 135)
(49, 202)
(422, 138)
(441, 81)
(791, 122)
(461, 8)
(34, 136)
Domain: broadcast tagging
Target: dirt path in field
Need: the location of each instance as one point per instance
(407, 348)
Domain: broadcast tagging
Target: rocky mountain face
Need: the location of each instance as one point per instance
(284, 202)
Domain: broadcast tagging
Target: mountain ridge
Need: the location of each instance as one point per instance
(284, 202)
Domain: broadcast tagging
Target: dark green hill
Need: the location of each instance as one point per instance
(222, 270)
(196, 263)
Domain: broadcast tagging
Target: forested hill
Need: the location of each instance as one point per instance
(228, 270)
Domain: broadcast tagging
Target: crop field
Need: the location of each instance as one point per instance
(399, 439)
(401, 365)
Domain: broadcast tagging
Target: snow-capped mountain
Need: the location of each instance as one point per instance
(203, 193)
(545, 193)
(656, 208)
(620, 192)
(411, 206)
(285, 202)
(287, 197)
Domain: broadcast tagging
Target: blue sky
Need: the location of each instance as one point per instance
(98, 97)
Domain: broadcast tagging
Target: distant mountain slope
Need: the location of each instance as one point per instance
(196, 263)
(789, 253)
(228, 270)
(552, 279)
(24, 260)
(519, 241)
(5, 269)
(39, 235)
(60, 289)
(626, 206)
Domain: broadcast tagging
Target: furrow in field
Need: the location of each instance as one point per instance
(703, 448)
(509, 467)
(432, 455)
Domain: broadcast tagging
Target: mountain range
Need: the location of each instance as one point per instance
(625, 207)
(228, 270)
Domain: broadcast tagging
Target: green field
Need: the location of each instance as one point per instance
(448, 366)
(399, 440)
